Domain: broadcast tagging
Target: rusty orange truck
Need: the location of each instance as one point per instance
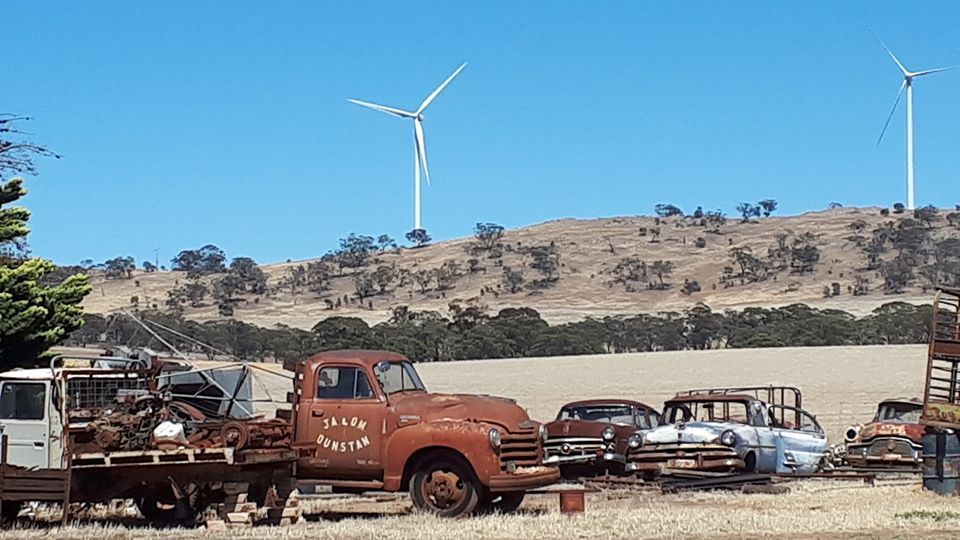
(176, 437)
(364, 420)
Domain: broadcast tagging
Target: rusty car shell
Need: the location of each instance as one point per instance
(719, 431)
(586, 439)
(894, 438)
(380, 438)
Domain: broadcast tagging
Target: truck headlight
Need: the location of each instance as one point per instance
(608, 433)
(494, 436)
(635, 441)
(544, 434)
(728, 438)
(852, 433)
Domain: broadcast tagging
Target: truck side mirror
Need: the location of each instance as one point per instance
(383, 366)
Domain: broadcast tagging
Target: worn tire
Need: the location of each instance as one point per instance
(445, 487)
(503, 503)
(9, 510)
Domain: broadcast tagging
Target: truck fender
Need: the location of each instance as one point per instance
(408, 444)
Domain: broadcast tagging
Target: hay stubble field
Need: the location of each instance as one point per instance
(841, 385)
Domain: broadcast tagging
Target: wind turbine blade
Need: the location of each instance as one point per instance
(431, 97)
(906, 72)
(384, 109)
(929, 71)
(895, 103)
(421, 147)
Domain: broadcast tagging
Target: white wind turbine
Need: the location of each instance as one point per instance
(908, 77)
(419, 145)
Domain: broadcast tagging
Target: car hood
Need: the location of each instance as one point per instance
(914, 432)
(693, 432)
(585, 428)
(465, 407)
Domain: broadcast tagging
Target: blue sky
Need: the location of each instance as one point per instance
(187, 123)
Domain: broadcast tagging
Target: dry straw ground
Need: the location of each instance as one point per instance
(841, 385)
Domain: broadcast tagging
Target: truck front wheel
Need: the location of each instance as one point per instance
(444, 487)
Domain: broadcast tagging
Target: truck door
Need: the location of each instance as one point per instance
(23, 419)
(345, 423)
(802, 443)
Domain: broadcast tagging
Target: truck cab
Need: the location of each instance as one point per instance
(364, 420)
(27, 419)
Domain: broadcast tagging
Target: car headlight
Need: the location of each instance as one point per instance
(544, 434)
(852, 433)
(635, 441)
(494, 436)
(608, 433)
(728, 438)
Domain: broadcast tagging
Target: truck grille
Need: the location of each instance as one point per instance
(568, 447)
(522, 449)
(885, 446)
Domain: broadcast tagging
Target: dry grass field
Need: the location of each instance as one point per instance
(841, 385)
(589, 250)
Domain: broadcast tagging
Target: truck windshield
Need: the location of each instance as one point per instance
(398, 377)
(612, 414)
(899, 413)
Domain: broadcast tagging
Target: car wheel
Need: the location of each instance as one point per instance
(751, 462)
(445, 487)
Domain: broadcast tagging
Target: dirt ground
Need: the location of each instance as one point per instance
(841, 385)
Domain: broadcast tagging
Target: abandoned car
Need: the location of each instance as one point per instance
(751, 429)
(589, 437)
(893, 439)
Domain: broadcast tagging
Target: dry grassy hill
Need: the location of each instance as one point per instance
(589, 250)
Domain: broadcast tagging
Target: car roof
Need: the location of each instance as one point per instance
(365, 357)
(611, 401)
(909, 401)
(33, 374)
(711, 397)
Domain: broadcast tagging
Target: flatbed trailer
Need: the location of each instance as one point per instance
(941, 396)
(86, 435)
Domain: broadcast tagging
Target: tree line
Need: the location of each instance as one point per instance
(468, 331)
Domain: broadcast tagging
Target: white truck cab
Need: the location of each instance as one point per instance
(29, 419)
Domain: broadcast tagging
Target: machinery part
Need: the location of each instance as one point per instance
(235, 434)
(166, 504)
(503, 503)
(445, 487)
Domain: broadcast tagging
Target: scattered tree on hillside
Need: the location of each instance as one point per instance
(748, 211)
(119, 268)
(355, 251)
(447, 275)
(149, 267)
(546, 260)
(804, 255)
(489, 236)
(383, 276)
(363, 286)
(768, 206)
(898, 208)
(630, 271)
(667, 210)
(418, 237)
(513, 279)
(200, 262)
(248, 275)
(423, 278)
(385, 243)
(663, 270)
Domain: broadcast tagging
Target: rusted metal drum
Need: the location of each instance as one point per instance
(572, 502)
(941, 461)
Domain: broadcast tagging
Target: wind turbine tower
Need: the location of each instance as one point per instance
(419, 144)
(908, 77)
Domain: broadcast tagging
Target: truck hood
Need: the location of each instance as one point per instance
(693, 432)
(914, 432)
(584, 428)
(472, 408)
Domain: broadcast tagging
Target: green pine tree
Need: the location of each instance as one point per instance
(34, 314)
